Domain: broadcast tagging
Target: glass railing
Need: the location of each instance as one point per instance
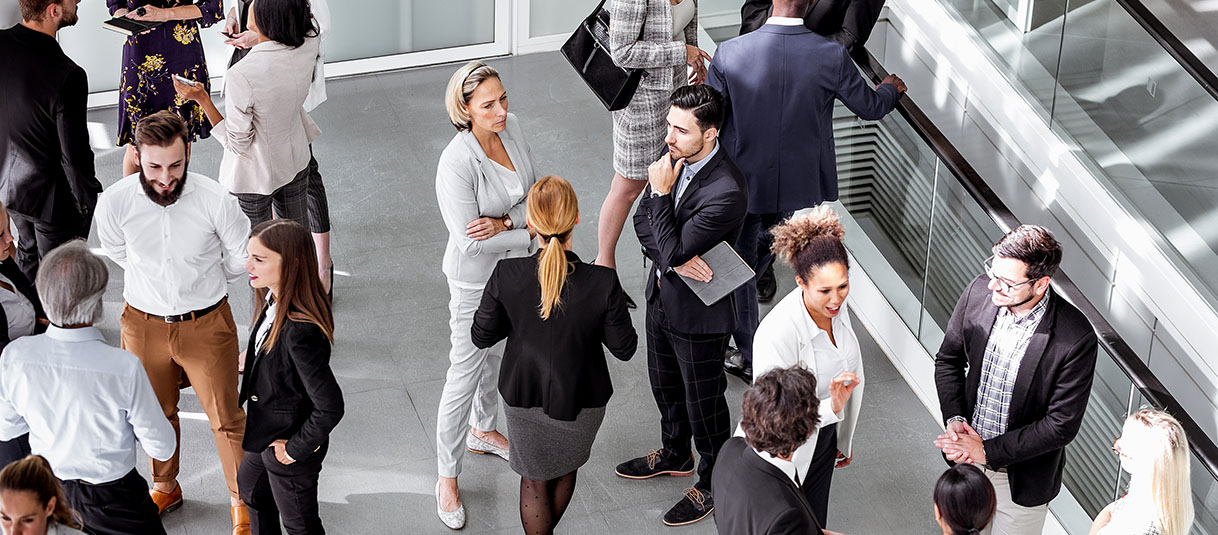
(1137, 104)
(920, 221)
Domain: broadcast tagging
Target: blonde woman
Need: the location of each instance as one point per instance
(483, 176)
(555, 312)
(662, 37)
(1154, 450)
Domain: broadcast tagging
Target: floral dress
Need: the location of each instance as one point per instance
(149, 60)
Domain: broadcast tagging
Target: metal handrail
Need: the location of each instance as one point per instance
(1173, 45)
(1126, 359)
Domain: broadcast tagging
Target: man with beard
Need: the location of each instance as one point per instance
(180, 238)
(695, 199)
(47, 178)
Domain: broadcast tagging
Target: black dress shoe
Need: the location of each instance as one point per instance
(733, 364)
(694, 506)
(767, 286)
(656, 463)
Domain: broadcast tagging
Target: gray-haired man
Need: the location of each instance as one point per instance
(83, 402)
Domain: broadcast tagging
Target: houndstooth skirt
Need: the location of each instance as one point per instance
(639, 129)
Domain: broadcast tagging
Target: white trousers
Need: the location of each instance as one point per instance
(1012, 518)
(472, 382)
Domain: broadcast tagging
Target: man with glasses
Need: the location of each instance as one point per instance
(1013, 375)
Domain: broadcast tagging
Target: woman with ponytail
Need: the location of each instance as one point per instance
(32, 502)
(811, 327)
(1154, 450)
(965, 501)
(555, 312)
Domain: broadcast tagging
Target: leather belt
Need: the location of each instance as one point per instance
(189, 316)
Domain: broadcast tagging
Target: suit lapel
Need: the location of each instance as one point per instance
(1031, 358)
(686, 208)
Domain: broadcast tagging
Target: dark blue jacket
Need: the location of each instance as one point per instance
(779, 83)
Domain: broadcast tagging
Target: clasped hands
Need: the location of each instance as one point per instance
(961, 444)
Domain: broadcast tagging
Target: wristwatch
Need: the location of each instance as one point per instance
(507, 222)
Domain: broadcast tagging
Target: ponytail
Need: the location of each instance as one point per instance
(553, 212)
(33, 474)
(552, 271)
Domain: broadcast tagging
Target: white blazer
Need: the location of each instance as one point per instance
(787, 337)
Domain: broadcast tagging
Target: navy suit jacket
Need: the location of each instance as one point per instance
(779, 84)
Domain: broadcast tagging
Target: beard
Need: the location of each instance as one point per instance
(677, 152)
(164, 199)
(69, 19)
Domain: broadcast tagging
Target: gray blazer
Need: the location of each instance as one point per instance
(656, 51)
(467, 189)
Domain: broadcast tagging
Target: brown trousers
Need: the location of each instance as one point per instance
(205, 350)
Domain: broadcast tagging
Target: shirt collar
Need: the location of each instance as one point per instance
(82, 334)
(1034, 315)
(191, 179)
(785, 21)
(691, 169)
(787, 467)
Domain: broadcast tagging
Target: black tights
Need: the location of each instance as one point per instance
(542, 503)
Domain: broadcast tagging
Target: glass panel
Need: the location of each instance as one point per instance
(1205, 499)
(557, 17)
(886, 180)
(407, 26)
(1091, 467)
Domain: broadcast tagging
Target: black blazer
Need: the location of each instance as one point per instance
(558, 363)
(46, 164)
(848, 22)
(1050, 393)
(291, 390)
(712, 210)
(12, 272)
(754, 497)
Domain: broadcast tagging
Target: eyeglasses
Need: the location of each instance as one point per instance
(1003, 284)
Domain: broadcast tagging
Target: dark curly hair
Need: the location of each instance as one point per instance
(780, 410)
(811, 241)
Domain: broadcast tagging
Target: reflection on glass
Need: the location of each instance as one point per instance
(1091, 468)
(371, 28)
(557, 17)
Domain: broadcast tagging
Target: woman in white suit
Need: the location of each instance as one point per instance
(482, 182)
(810, 327)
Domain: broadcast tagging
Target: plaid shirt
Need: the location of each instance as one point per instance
(1003, 352)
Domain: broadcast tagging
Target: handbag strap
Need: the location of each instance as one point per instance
(597, 11)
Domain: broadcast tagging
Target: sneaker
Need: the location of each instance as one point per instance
(694, 506)
(655, 464)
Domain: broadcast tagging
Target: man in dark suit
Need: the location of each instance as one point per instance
(848, 22)
(779, 130)
(687, 209)
(756, 481)
(1014, 374)
(47, 179)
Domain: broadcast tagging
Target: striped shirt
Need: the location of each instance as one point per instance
(1003, 353)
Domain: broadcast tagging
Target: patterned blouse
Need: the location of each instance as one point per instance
(1127, 520)
(149, 60)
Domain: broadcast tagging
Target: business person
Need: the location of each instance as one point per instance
(811, 327)
(264, 128)
(756, 480)
(964, 501)
(32, 501)
(293, 401)
(482, 180)
(85, 404)
(779, 84)
(848, 22)
(47, 178)
(662, 37)
(242, 41)
(556, 313)
(1153, 449)
(1013, 375)
(695, 199)
(20, 315)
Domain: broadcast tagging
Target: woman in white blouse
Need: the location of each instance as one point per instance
(810, 327)
(1154, 450)
(482, 182)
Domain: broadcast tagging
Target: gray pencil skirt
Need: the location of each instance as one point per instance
(544, 448)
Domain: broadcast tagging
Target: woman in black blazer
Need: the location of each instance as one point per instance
(556, 312)
(294, 399)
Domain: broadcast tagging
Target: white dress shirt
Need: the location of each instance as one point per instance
(176, 258)
(785, 21)
(787, 467)
(83, 402)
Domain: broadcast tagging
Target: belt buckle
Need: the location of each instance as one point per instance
(173, 319)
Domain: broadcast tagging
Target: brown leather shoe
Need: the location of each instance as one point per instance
(241, 520)
(167, 501)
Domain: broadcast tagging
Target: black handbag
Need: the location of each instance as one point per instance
(588, 52)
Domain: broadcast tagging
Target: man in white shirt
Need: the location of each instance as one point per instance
(85, 403)
(180, 238)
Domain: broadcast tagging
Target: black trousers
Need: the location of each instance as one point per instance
(753, 246)
(14, 450)
(40, 237)
(273, 491)
(120, 507)
(820, 473)
(687, 380)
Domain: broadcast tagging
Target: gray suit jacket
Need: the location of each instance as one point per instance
(467, 188)
(656, 51)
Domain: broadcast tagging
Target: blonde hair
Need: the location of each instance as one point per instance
(461, 87)
(1167, 484)
(553, 211)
